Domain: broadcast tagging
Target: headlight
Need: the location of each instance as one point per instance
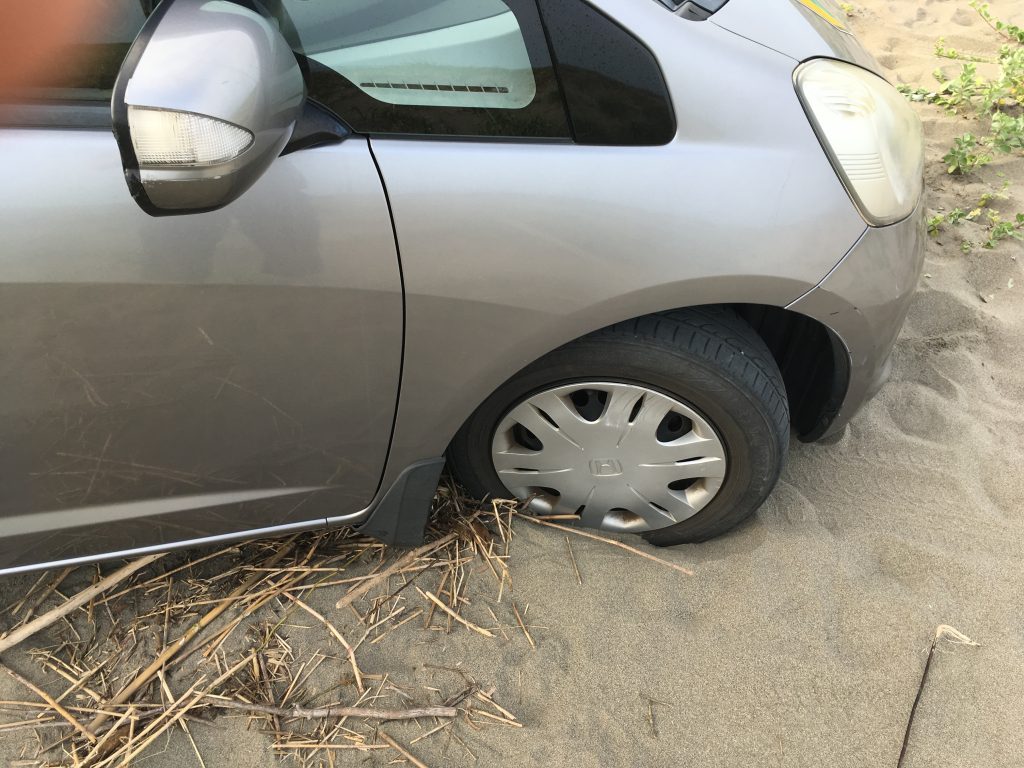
(871, 135)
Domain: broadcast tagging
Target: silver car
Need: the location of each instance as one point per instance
(269, 266)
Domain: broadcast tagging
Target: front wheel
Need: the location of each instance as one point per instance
(674, 426)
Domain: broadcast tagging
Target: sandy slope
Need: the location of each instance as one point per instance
(800, 640)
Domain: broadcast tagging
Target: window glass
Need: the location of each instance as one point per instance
(445, 67)
(73, 52)
(440, 53)
(614, 88)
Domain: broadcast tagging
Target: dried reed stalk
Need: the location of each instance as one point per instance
(52, 703)
(402, 750)
(522, 625)
(614, 543)
(403, 562)
(316, 713)
(466, 623)
(184, 603)
(144, 677)
(42, 621)
(134, 746)
(337, 635)
(942, 632)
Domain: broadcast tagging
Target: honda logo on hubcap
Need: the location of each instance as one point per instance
(605, 468)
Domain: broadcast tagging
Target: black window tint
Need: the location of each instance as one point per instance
(470, 68)
(613, 85)
(83, 67)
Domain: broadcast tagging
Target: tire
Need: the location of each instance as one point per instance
(707, 359)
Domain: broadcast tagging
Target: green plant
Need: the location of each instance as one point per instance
(996, 228)
(996, 194)
(1007, 132)
(999, 99)
(1007, 90)
(1002, 230)
(959, 92)
(952, 53)
(916, 94)
(1009, 30)
(966, 154)
(998, 104)
(954, 218)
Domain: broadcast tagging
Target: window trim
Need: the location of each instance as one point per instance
(68, 114)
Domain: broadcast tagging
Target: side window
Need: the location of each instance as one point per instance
(79, 57)
(436, 67)
(614, 88)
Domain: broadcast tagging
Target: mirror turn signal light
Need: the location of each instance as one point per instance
(166, 138)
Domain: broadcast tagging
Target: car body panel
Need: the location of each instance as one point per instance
(864, 301)
(793, 29)
(555, 250)
(194, 376)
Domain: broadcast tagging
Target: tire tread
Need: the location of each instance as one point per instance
(702, 327)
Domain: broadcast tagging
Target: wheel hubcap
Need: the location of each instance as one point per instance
(619, 457)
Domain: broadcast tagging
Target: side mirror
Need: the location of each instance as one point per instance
(207, 97)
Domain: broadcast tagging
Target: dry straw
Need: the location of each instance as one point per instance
(167, 640)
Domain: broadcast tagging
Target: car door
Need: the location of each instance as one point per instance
(502, 129)
(174, 379)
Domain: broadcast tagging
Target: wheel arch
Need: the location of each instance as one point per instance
(814, 362)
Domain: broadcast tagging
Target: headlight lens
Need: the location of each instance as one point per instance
(871, 134)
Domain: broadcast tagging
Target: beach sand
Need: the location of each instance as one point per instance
(801, 638)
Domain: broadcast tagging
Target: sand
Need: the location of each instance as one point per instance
(801, 637)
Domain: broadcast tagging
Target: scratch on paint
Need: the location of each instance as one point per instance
(96, 470)
(90, 391)
(167, 473)
(258, 396)
(205, 336)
